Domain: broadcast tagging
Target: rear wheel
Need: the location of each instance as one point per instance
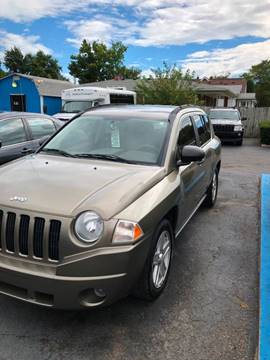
(211, 194)
(156, 270)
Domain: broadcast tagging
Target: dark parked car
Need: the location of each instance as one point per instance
(22, 133)
(227, 124)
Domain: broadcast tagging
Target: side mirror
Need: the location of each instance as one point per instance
(244, 119)
(189, 154)
(0, 144)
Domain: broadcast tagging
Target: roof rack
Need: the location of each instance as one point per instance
(184, 106)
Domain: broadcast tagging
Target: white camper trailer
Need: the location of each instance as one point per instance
(82, 98)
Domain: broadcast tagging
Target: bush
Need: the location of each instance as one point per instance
(265, 132)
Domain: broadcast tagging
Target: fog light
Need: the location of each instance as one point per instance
(100, 293)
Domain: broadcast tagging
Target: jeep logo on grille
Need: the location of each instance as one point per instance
(19, 198)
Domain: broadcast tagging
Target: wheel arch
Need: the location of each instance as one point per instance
(172, 216)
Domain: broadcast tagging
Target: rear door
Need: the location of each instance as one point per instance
(14, 140)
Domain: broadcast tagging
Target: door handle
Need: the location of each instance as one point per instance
(26, 151)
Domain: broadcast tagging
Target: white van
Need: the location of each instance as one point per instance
(82, 98)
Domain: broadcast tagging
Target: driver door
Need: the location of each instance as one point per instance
(189, 175)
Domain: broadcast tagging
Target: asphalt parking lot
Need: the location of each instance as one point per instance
(209, 310)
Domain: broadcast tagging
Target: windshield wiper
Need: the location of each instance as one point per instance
(105, 157)
(57, 151)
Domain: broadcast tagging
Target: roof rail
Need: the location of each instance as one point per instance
(190, 105)
(176, 110)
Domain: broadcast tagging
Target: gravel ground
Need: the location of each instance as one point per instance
(208, 311)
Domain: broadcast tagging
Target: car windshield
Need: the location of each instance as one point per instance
(76, 106)
(227, 115)
(121, 138)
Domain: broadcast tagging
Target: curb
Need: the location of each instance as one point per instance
(264, 328)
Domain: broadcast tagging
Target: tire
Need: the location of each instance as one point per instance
(240, 142)
(151, 283)
(211, 194)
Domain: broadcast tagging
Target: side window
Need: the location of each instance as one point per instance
(207, 126)
(203, 133)
(12, 132)
(40, 127)
(121, 99)
(187, 134)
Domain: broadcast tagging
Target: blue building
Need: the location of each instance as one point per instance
(19, 92)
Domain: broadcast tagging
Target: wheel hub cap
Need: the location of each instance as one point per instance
(161, 259)
(214, 187)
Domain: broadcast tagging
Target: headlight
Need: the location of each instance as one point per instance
(238, 128)
(127, 231)
(89, 227)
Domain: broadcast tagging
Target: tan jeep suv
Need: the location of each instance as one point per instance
(93, 215)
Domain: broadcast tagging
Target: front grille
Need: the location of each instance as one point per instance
(223, 128)
(54, 239)
(33, 237)
(10, 228)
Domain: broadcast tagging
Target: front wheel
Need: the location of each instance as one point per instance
(156, 270)
(211, 194)
(240, 142)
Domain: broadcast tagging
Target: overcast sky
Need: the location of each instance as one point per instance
(210, 37)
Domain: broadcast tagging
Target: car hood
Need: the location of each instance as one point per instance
(65, 186)
(225, 122)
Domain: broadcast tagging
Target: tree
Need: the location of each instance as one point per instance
(259, 78)
(130, 72)
(96, 62)
(14, 60)
(2, 72)
(39, 64)
(168, 86)
(220, 76)
(43, 65)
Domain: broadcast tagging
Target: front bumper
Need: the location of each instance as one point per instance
(230, 136)
(73, 285)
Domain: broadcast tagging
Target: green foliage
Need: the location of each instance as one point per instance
(260, 76)
(14, 60)
(130, 72)
(168, 86)
(97, 62)
(265, 132)
(39, 64)
(2, 72)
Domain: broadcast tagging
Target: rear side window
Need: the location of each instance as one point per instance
(41, 127)
(187, 134)
(201, 125)
(12, 132)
